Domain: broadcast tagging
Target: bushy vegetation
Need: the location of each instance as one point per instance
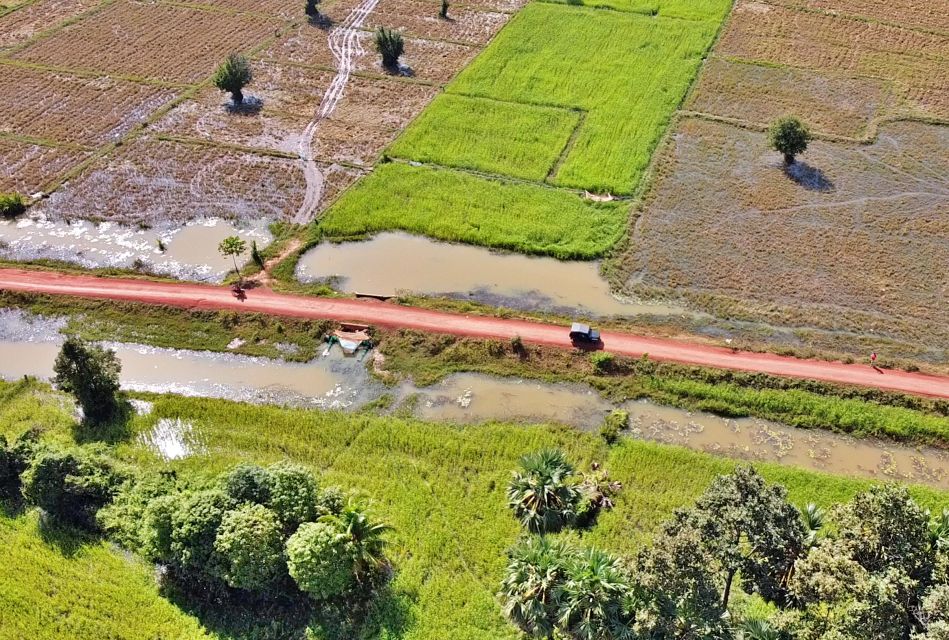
(91, 374)
(11, 205)
(789, 136)
(458, 131)
(390, 45)
(459, 207)
(614, 423)
(628, 91)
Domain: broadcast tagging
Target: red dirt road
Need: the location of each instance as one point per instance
(196, 296)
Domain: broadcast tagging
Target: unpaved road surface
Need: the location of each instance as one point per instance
(196, 296)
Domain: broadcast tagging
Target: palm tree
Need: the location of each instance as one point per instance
(536, 568)
(544, 495)
(364, 537)
(758, 629)
(939, 531)
(813, 517)
(595, 598)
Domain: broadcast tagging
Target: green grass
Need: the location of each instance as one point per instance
(441, 486)
(687, 9)
(523, 141)
(629, 72)
(54, 585)
(460, 207)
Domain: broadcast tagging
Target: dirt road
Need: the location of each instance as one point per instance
(196, 296)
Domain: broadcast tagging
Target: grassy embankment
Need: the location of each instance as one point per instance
(561, 97)
(441, 487)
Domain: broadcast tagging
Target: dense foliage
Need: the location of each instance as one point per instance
(390, 45)
(91, 374)
(788, 136)
(233, 75)
(11, 205)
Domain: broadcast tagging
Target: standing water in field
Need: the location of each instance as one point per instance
(397, 262)
(190, 251)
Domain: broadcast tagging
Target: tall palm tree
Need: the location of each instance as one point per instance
(536, 568)
(364, 537)
(813, 517)
(595, 597)
(544, 494)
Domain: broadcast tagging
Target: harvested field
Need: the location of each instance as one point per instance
(629, 92)
(921, 14)
(457, 206)
(508, 138)
(759, 94)
(917, 62)
(27, 21)
(55, 106)
(687, 9)
(858, 239)
(419, 19)
(28, 168)
(165, 42)
(151, 180)
(426, 60)
(356, 143)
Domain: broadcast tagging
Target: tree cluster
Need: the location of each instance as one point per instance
(269, 530)
(881, 573)
(547, 494)
(91, 374)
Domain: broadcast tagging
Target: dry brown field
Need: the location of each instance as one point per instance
(856, 237)
(127, 83)
(28, 168)
(917, 62)
(921, 14)
(56, 106)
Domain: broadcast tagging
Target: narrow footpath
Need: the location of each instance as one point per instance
(197, 296)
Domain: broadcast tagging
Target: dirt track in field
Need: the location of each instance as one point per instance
(395, 316)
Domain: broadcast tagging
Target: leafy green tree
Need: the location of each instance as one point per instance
(320, 560)
(390, 45)
(194, 526)
(365, 540)
(294, 494)
(248, 483)
(232, 246)
(71, 485)
(233, 75)
(789, 136)
(158, 521)
(91, 374)
(749, 526)
(536, 568)
(544, 494)
(124, 521)
(250, 544)
(12, 205)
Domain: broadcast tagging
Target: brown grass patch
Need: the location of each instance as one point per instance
(165, 42)
(922, 14)
(24, 23)
(917, 61)
(428, 60)
(65, 108)
(28, 168)
(859, 240)
(759, 94)
(151, 180)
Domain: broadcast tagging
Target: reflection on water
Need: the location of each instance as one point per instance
(190, 251)
(394, 262)
(755, 439)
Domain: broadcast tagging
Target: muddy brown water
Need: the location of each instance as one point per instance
(397, 262)
(28, 346)
(190, 250)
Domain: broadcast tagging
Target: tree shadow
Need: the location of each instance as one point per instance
(398, 69)
(321, 21)
(113, 431)
(250, 106)
(811, 178)
(64, 538)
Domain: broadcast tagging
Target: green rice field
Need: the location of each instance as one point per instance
(687, 9)
(441, 487)
(460, 207)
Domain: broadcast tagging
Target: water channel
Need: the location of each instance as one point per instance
(28, 346)
(390, 263)
(190, 251)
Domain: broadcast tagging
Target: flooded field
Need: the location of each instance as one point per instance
(190, 251)
(28, 346)
(396, 262)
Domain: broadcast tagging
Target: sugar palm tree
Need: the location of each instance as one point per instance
(596, 598)
(758, 629)
(536, 568)
(813, 517)
(544, 494)
(364, 537)
(939, 531)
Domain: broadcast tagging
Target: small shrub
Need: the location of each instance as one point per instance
(255, 254)
(517, 344)
(602, 361)
(12, 205)
(443, 12)
(319, 560)
(616, 421)
(390, 45)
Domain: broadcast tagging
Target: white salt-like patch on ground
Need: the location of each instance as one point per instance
(170, 438)
(142, 407)
(235, 343)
